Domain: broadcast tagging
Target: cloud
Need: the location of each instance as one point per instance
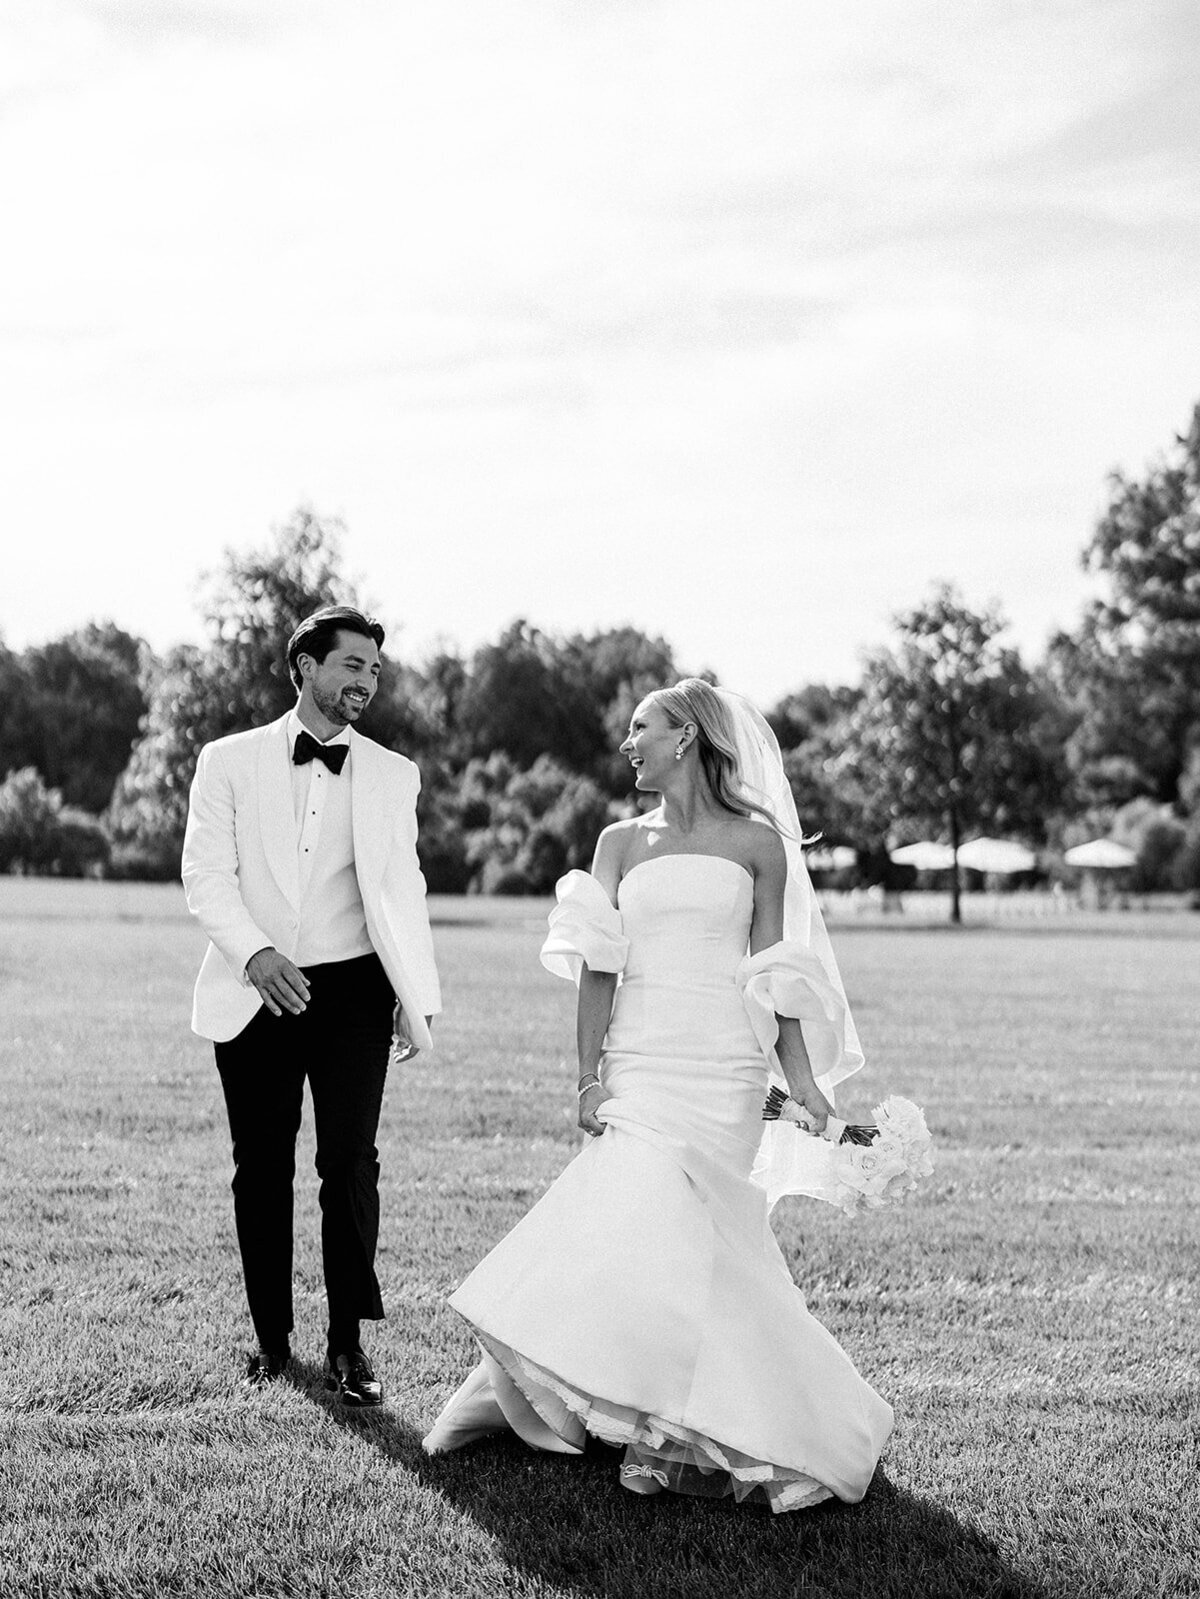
(217, 22)
(873, 292)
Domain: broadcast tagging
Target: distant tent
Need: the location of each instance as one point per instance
(838, 859)
(925, 856)
(996, 855)
(1101, 855)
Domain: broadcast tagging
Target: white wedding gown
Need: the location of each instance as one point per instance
(644, 1298)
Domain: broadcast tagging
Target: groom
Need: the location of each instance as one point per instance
(300, 863)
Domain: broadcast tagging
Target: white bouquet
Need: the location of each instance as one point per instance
(878, 1163)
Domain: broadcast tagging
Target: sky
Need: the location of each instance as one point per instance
(744, 323)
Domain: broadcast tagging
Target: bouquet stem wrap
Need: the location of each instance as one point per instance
(868, 1166)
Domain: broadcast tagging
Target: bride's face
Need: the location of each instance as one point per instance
(650, 746)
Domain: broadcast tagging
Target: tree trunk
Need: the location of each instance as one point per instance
(955, 892)
(952, 749)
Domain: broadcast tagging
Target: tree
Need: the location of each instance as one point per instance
(190, 702)
(617, 668)
(1132, 671)
(811, 726)
(825, 802)
(84, 703)
(39, 835)
(28, 822)
(1128, 733)
(83, 845)
(521, 829)
(16, 713)
(951, 732)
(531, 694)
(808, 711)
(433, 696)
(1157, 838)
(1187, 862)
(522, 698)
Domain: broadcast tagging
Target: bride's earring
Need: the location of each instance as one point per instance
(679, 753)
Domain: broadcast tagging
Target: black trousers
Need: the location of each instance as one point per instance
(340, 1042)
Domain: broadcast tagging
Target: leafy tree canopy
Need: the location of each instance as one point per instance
(809, 711)
(40, 835)
(950, 734)
(532, 694)
(1131, 672)
(72, 709)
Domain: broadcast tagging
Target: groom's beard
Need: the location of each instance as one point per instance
(335, 707)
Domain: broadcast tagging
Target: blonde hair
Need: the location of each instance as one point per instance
(694, 700)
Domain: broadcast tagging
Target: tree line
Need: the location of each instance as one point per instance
(947, 733)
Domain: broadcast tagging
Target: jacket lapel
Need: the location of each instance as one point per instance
(277, 814)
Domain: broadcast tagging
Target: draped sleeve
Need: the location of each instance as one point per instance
(585, 928)
(790, 979)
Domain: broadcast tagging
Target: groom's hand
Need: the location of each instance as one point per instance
(282, 985)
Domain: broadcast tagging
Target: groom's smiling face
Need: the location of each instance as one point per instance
(344, 683)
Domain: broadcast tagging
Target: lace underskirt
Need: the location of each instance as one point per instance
(681, 1459)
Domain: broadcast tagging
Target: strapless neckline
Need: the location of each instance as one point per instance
(684, 855)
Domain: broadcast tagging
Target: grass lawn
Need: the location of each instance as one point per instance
(1032, 1316)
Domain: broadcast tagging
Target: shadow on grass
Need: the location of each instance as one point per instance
(566, 1521)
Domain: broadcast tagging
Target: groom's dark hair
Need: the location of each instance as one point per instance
(317, 635)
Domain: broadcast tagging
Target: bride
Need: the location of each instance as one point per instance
(644, 1298)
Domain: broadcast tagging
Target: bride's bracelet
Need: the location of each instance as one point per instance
(590, 1080)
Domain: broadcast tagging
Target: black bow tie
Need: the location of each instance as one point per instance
(308, 748)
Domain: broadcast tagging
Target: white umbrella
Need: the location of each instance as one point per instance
(996, 855)
(925, 856)
(1103, 853)
(837, 859)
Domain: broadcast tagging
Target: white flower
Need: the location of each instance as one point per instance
(883, 1171)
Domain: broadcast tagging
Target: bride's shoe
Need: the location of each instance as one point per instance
(643, 1479)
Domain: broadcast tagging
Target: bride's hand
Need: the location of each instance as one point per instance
(815, 1104)
(588, 1101)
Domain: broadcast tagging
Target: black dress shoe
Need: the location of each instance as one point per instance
(353, 1376)
(265, 1366)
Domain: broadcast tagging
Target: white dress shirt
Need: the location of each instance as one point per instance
(333, 923)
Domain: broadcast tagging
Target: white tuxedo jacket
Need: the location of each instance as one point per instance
(242, 876)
